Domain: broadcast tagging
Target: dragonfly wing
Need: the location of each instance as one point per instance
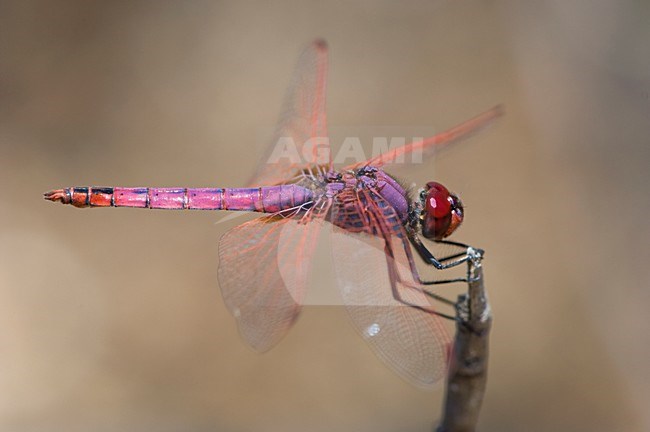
(263, 269)
(300, 139)
(373, 272)
(429, 146)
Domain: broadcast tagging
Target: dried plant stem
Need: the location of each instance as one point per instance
(468, 369)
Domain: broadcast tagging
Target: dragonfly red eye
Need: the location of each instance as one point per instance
(442, 214)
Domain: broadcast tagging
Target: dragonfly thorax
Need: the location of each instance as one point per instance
(394, 193)
(372, 179)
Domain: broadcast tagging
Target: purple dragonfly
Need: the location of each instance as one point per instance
(265, 263)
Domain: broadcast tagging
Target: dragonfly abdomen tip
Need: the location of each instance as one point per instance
(56, 195)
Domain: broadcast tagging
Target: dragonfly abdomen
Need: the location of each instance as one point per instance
(266, 199)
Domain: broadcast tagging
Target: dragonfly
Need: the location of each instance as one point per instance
(376, 225)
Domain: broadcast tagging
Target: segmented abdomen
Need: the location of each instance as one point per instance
(266, 199)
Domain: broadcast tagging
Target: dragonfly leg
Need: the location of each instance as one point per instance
(437, 297)
(468, 278)
(395, 278)
(460, 306)
(418, 287)
(442, 263)
(472, 254)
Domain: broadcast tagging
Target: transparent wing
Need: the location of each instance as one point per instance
(379, 290)
(429, 146)
(300, 140)
(264, 265)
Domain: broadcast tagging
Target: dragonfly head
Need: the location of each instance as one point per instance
(442, 212)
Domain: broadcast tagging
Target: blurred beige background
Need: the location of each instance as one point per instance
(111, 320)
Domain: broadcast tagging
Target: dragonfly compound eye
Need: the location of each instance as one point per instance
(442, 214)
